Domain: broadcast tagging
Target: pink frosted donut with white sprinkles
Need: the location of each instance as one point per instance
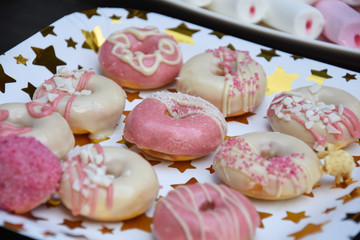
(175, 126)
(318, 115)
(140, 58)
(230, 79)
(268, 165)
(205, 211)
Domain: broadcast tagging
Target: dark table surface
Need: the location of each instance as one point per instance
(20, 19)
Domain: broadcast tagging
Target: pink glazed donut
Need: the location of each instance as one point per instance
(140, 58)
(175, 126)
(205, 211)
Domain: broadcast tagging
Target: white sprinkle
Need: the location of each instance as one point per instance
(287, 101)
(309, 124)
(52, 96)
(297, 99)
(287, 117)
(278, 99)
(314, 88)
(309, 113)
(341, 109)
(48, 87)
(331, 129)
(76, 185)
(85, 192)
(334, 117)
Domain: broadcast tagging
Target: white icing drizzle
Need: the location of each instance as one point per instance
(193, 105)
(136, 59)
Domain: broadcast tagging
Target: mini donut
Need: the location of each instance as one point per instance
(175, 126)
(205, 211)
(318, 115)
(268, 165)
(90, 103)
(34, 120)
(230, 79)
(29, 173)
(107, 183)
(140, 58)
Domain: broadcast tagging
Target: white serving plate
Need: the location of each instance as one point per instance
(324, 214)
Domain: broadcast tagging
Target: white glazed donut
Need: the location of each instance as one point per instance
(48, 127)
(268, 165)
(90, 103)
(230, 79)
(318, 115)
(107, 183)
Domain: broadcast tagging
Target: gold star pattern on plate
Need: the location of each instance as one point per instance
(141, 222)
(268, 54)
(115, 19)
(182, 166)
(46, 57)
(105, 230)
(14, 226)
(52, 203)
(21, 60)
(280, 81)
(352, 195)
(295, 217)
(319, 76)
(218, 34)
(48, 30)
(353, 216)
(308, 230)
(344, 184)
(30, 89)
(90, 13)
(29, 215)
(349, 77)
(210, 169)
(296, 57)
(82, 139)
(73, 224)
(311, 194)
(151, 161)
(262, 216)
(131, 96)
(357, 161)
(126, 114)
(182, 33)
(329, 210)
(127, 143)
(4, 79)
(70, 43)
(93, 39)
(241, 119)
(137, 13)
(191, 181)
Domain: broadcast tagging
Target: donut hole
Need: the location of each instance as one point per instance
(271, 149)
(116, 169)
(221, 69)
(207, 206)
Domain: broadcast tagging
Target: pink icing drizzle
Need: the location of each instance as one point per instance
(6, 129)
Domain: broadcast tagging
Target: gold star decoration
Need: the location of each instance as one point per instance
(21, 60)
(137, 13)
(126, 114)
(210, 169)
(308, 230)
(90, 13)
(241, 119)
(82, 139)
(105, 230)
(344, 184)
(93, 39)
(182, 166)
(127, 143)
(191, 181)
(151, 161)
(29, 215)
(329, 210)
(52, 203)
(115, 19)
(357, 160)
(172, 90)
(280, 81)
(352, 195)
(296, 57)
(30, 89)
(13, 226)
(141, 222)
(182, 33)
(4, 79)
(311, 194)
(295, 217)
(73, 224)
(48, 233)
(319, 76)
(353, 216)
(268, 54)
(349, 77)
(47, 58)
(262, 216)
(48, 30)
(131, 96)
(218, 34)
(70, 43)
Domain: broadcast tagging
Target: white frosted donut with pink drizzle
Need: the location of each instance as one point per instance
(140, 58)
(230, 79)
(268, 165)
(175, 126)
(318, 115)
(205, 212)
(90, 103)
(107, 183)
(33, 120)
